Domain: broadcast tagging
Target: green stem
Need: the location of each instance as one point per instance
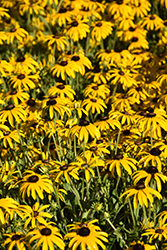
(145, 216)
(117, 233)
(118, 137)
(76, 194)
(132, 214)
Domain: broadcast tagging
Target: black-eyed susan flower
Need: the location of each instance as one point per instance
(92, 5)
(34, 184)
(16, 33)
(120, 8)
(141, 8)
(138, 43)
(26, 61)
(78, 29)
(31, 7)
(150, 173)
(60, 41)
(24, 79)
(64, 68)
(62, 90)
(16, 96)
(11, 137)
(63, 170)
(152, 22)
(97, 90)
(140, 246)
(101, 29)
(141, 194)
(153, 156)
(34, 214)
(126, 117)
(18, 240)
(12, 113)
(99, 75)
(94, 104)
(86, 235)
(120, 161)
(62, 17)
(77, 108)
(157, 233)
(81, 62)
(107, 123)
(45, 163)
(5, 205)
(85, 129)
(48, 236)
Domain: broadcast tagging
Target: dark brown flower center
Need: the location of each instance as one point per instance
(132, 29)
(31, 102)
(21, 76)
(64, 167)
(84, 231)
(121, 73)
(118, 157)
(134, 39)
(55, 36)
(95, 87)
(139, 89)
(93, 148)
(165, 23)
(119, 2)
(13, 92)
(99, 24)
(51, 102)
(6, 133)
(155, 151)
(20, 59)
(33, 178)
(152, 170)
(159, 231)
(151, 110)
(60, 86)
(93, 100)
(74, 24)
(97, 69)
(45, 161)
(52, 146)
(138, 247)
(160, 55)
(139, 186)
(99, 141)
(16, 237)
(151, 115)
(107, 50)
(104, 118)
(62, 10)
(35, 213)
(75, 58)
(126, 132)
(13, 30)
(83, 123)
(46, 231)
(9, 107)
(152, 17)
(64, 63)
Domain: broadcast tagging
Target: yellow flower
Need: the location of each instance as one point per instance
(78, 29)
(34, 184)
(62, 91)
(141, 194)
(47, 237)
(31, 7)
(84, 129)
(96, 105)
(5, 205)
(101, 30)
(86, 235)
(16, 33)
(16, 96)
(152, 22)
(157, 233)
(60, 41)
(140, 246)
(16, 239)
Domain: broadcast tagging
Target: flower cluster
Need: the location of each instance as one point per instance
(83, 124)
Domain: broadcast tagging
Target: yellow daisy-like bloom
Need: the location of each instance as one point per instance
(10, 136)
(120, 8)
(16, 33)
(45, 163)
(32, 7)
(25, 61)
(7, 204)
(140, 246)
(62, 91)
(153, 157)
(138, 43)
(60, 41)
(86, 235)
(81, 62)
(34, 184)
(78, 29)
(122, 102)
(47, 237)
(64, 68)
(24, 79)
(124, 77)
(12, 113)
(141, 194)
(92, 5)
(125, 117)
(63, 170)
(151, 172)
(34, 214)
(152, 22)
(101, 30)
(16, 96)
(78, 109)
(16, 240)
(157, 233)
(97, 90)
(84, 129)
(62, 17)
(107, 123)
(141, 8)
(3, 12)
(121, 161)
(96, 105)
